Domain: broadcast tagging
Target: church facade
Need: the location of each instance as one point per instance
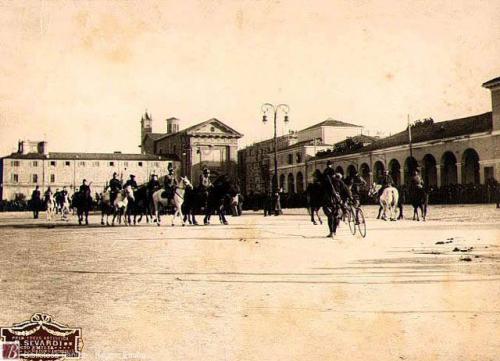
(211, 144)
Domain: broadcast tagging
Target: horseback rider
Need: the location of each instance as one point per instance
(115, 186)
(131, 182)
(329, 172)
(205, 182)
(84, 187)
(385, 182)
(153, 184)
(417, 180)
(36, 201)
(170, 183)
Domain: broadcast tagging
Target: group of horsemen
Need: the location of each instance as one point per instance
(115, 186)
(340, 191)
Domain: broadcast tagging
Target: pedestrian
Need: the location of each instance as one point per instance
(36, 201)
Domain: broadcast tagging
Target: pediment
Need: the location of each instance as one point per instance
(213, 127)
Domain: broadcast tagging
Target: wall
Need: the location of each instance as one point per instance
(332, 135)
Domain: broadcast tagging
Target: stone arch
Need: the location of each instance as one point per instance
(395, 171)
(365, 172)
(449, 169)
(282, 181)
(340, 170)
(470, 167)
(299, 182)
(290, 183)
(351, 170)
(429, 171)
(411, 165)
(378, 169)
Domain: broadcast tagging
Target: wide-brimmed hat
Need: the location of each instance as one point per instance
(132, 176)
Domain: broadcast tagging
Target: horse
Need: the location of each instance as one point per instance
(63, 203)
(140, 205)
(314, 196)
(83, 203)
(106, 206)
(50, 204)
(176, 201)
(419, 200)
(120, 205)
(388, 200)
(219, 198)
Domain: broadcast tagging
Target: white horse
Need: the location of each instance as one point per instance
(120, 204)
(176, 201)
(388, 200)
(64, 208)
(50, 203)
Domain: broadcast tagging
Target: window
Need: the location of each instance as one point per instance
(81, 163)
(290, 158)
(52, 163)
(125, 164)
(298, 158)
(111, 164)
(35, 163)
(34, 178)
(52, 178)
(157, 164)
(15, 178)
(67, 163)
(95, 164)
(140, 164)
(15, 163)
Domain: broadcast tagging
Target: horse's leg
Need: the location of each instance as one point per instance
(317, 214)
(380, 211)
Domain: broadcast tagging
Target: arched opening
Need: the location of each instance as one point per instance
(429, 172)
(300, 182)
(282, 181)
(351, 171)
(449, 169)
(365, 172)
(470, 167)
(395, 171)
(340, 170)
(378, 168)
(291, 185)
(411, 165)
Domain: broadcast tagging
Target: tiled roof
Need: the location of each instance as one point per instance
(440, 130)
(91, 156)
(155, 136)
(435, 131)
(491, 83)
(332, 123)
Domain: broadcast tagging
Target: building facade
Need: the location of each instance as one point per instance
(210, 144)
(462, 151)
(295, 154)
(34, 165)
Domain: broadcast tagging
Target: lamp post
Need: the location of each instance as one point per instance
(273, 109)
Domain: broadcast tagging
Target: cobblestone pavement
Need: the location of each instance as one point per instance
(260, 288)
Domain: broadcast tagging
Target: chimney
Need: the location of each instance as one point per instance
(172, 125)
(21, 149)
(43, 148)
(494, 86)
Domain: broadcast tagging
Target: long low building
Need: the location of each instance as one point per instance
(459, 151)
(34, 165)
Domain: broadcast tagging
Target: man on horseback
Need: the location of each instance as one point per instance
(84, 187)
(153, 184)
(385, 182)
(131, 182)
(205, 182)
(47, 195)
(170, 183)
(115, 186)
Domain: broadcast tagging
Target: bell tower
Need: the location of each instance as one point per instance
(146, 128)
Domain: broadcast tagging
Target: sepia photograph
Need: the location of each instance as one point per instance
(250, 180)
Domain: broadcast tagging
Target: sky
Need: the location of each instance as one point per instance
(80, 74)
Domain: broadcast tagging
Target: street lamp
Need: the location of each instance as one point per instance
(271, 108)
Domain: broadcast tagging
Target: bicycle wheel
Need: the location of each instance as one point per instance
(362, 223)
(351, 219)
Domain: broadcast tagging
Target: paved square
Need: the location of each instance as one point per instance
(263, 288)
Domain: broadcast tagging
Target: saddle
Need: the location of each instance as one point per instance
(168, 193)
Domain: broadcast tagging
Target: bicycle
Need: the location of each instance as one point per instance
(356, 219)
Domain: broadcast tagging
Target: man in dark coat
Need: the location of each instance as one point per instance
(36, 202)
(131, 182)
(115, 186)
